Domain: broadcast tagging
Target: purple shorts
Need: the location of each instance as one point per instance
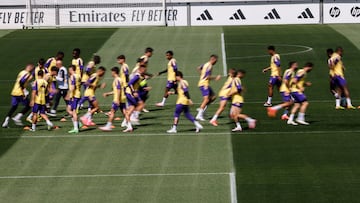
(286, 97)
(90, 99)
(16, 100)
(38, 108)
(274, 80)
(340, 81)
(225, 98)
(171, 85)
(116, 107)
(239, 105)
(206, 91)
(298, 97)
(132, 101)
(73, 103)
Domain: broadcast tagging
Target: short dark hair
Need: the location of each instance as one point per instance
(121, 57)
(214, 56)
(149, 49)
(292, 63)
(60, 53)
(96, 59)
(142, 66)
(102, 68)
(170, 53)
(139, 60)
(309, 64)
(339, 48)
(271, 47)
(116, 70)
(54, 68)
(42, 62)
(77, 50)
(40, 73)
(179, 74)
(329, 51)
(241, 71)
(73, 67)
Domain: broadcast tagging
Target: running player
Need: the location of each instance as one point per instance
(204, 85)
(62, 80)
(89, 95)
(51, 62)
(285, 93)
(124, 70)
(336, 64)
(77, 61)
(275, 76)
(237, 101)
(74, 97)
(118, 101)
(223, 96)
(297, 87)
(171, 76)
(19, 94)
(132, 95)
(38, 101)
(182, 104)
(41, 66)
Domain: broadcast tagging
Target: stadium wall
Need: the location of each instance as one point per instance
(16, 14)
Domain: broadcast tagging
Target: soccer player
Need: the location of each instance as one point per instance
(19, 95)
(77, 61)
(132, 95)
(237, 102)
(182, 104)
(336, 64)
(171, 76)
(124, 70)
(297, 88)
(74, 97)
(51, 62)
(275, 76)
(147, 55)
(118, 101)
(62, 80)
(223, 96)
(41, 66)
(204, 85)
(89, 95)
(38, 101)
(285, 93)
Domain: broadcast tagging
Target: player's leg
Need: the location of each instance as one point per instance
(168, 87)
(272, 82)
(177, 112)
(123, 111)
(132, 103)
(108, 126)
(50, 125)
(287, 102)
(251, 122)
(222, 105)
(191, 118)
(35, 111)
(235, 111)
(301, 116)
(14, 105)
(297, 99)
(205, 91)
(17, 118)
(73, 104)
(347, 96)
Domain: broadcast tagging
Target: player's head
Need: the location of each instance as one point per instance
(213, 59)
(293, 65)
(142, 69)
(149, 51)
(329, 52)
(179, 75)
(141, 61)
(72, 69)
(29, 67)
(59, 63)
(40, 74)
(271, 49)
(76, 53)
(41, 62)
(54, 71)
(169, 54)
(339, 50)
(115, 71)
(96, 59)
(121, 59)
(60, 55)
(231, 72)
(240, 73)
(308, 66)
(101, 71)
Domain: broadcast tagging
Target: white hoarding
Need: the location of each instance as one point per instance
(16, 18)
(123, 16)
(342, 13)
(255, 14)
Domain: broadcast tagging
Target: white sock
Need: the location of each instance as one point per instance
(337, 102)
(163, 101)
(108, 124)
(129, 126)
(205, 108)
(124, 122)
(88, 115)
(49, 123)
(33, 126)
(291, 117)
(301, 116)
(336, 95)
(348, 101)
(30, 116)
(269, 100)
(214, 117)
(277, 107)
(136, 114)
(238, 125)
(174, 127)
(76, 125)
(18, 116)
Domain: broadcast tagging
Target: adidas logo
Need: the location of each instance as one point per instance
(238, 15)
(273, 14)
(306, 14)
(205, 16)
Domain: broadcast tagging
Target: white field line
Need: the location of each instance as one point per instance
(122, 135)
(223, 51)
(113, 175)
(233, 187)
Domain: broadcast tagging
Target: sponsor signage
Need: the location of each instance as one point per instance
(342, 13)
(255, 14)
(16, 18)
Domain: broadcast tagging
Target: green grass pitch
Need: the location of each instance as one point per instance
(273, 163)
